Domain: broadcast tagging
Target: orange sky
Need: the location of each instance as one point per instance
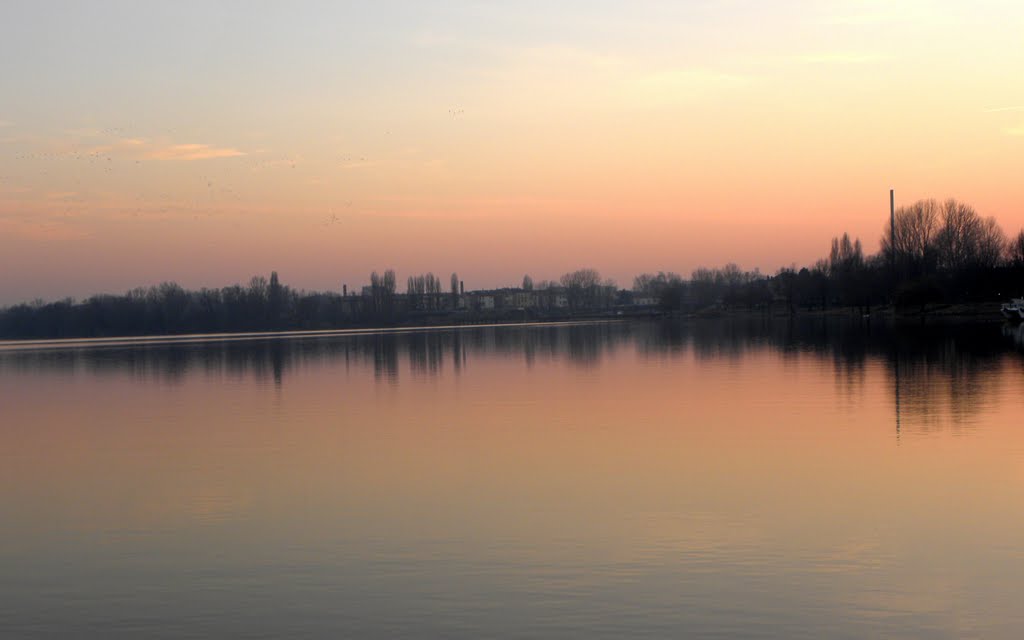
(140, 144)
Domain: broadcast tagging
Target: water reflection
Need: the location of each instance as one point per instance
(732, 478)
(426, 352)
(935, 370)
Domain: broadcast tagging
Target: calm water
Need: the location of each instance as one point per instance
(719, 479)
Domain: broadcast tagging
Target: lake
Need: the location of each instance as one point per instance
(710, 479)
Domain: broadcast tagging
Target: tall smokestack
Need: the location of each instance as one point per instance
(344, 290)
(462, 287)
(892, 225)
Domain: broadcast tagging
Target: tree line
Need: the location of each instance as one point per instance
(268, 305)
(930, 253)
(934, 253)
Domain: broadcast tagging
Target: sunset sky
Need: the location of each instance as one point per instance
(205, 142)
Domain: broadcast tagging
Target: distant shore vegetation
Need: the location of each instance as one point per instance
(934, 253)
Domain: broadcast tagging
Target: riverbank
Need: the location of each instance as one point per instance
(972, 312)
(979, 312)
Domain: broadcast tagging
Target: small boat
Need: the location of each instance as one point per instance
(1013, 310)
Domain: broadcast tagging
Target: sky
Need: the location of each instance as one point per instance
(206, 142)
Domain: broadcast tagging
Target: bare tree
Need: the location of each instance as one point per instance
(991, 245)
(382, 291)
(376, 292)
(582, 287)
(1015, 250)
(668, 288)
(703, 285)
(965, 240)
(958, 237)
(845, 255)
(914, 236)
(275, 300)
(645, 283)
(388, 286)
(606, 293)
(732, 276)
(527, 283)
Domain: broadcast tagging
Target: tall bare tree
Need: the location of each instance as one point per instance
(1015, 250)
(913, 249)
(965, 240)
(582, 287)
(991, 245)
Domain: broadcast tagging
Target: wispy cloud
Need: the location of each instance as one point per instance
(1002, 109)
(165, 150)
(192, 152)
(1015, 131)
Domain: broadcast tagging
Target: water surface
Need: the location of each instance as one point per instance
(743, 478)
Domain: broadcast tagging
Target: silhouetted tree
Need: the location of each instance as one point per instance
(703, 287)
(668, 288)
(376, 293)
(582, 287)
(967, 241)
(916, 226)
(847, 271)
(275, 301)
(1015, 251)
(992, 244)
(388, 283)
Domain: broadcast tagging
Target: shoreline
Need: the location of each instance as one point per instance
(984, 313)
(7, 345)
(980, 312)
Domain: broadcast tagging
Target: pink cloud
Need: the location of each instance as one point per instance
(192, 152)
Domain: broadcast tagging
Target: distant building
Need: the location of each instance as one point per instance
(520, 299)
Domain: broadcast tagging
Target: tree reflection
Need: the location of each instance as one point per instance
(939, 374)
(424, 353)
